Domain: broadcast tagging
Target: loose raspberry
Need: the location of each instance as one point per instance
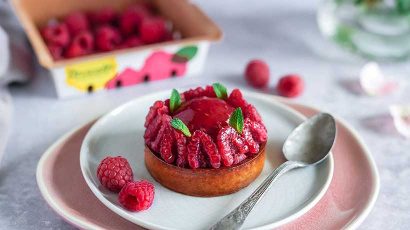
(137, 196)
(236, 99)
(131, 19)
(103, 16)
(82, 44)
(153, 29)
(257, 73)
(107, 38)
(56, 51)
(114, 173)
(56, 34)
(290, 85)
(77, 22)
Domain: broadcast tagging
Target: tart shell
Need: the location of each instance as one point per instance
(205, 182)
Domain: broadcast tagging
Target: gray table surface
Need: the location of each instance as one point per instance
(284, 33)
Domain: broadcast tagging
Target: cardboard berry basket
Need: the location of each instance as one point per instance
(108, 70)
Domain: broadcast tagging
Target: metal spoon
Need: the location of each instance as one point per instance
(309, 144)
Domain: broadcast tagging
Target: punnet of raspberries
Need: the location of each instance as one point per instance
(137, 195)
(83, 33)
(114, 173)
(207, 139)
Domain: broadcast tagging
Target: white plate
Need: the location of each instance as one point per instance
(120, 132)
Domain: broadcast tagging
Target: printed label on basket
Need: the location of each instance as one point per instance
(92, 75)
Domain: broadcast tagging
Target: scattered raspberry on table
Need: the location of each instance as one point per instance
(114, 173)
(137, 196)
(257, 73)
(290, 86)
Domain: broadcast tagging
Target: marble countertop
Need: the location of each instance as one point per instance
(284, 33)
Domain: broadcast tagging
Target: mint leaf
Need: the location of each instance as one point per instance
(174, 101)
(177, 124)
(220, 90)
(236, 120)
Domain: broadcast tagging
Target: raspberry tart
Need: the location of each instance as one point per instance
(203, 142)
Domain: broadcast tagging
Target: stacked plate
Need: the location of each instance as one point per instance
(338, 193)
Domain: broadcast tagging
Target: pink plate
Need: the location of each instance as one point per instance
(349, 199)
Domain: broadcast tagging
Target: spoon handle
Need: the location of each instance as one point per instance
(235, 218)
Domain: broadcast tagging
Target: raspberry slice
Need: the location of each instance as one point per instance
(193, 152)
(77, 22)
(230, 144)
(158, 136)
(157, 108)
(56, 34)
(114, 173)
(181, 148)
(250, 142)
(137, 196)
(209, 147)
(107, 38)
(236, 99)
(251, 113)
(166, 146)
(238, 158)
(259, 132)
(202, 148)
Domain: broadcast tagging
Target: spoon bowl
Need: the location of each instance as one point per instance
(308, 144)
(311, 141)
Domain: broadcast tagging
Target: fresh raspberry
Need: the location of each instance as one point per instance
(158, 108)
(258, 130)
(290, 85)
(236, 99)
(155, 138)
(131, 19)
(56, 51)
(56, 34)
(166, 146)
(230, 144)
(107, 38)
(209, 147)
(77, 22)
(251, 113)
(132, 41)
(257, 73)
(193, 93)
(153, 29)
(137, 196)
(103, 16)
(181, 148)
(82, 44)
(114, 173)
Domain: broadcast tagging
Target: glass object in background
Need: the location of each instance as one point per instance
(376, 29)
